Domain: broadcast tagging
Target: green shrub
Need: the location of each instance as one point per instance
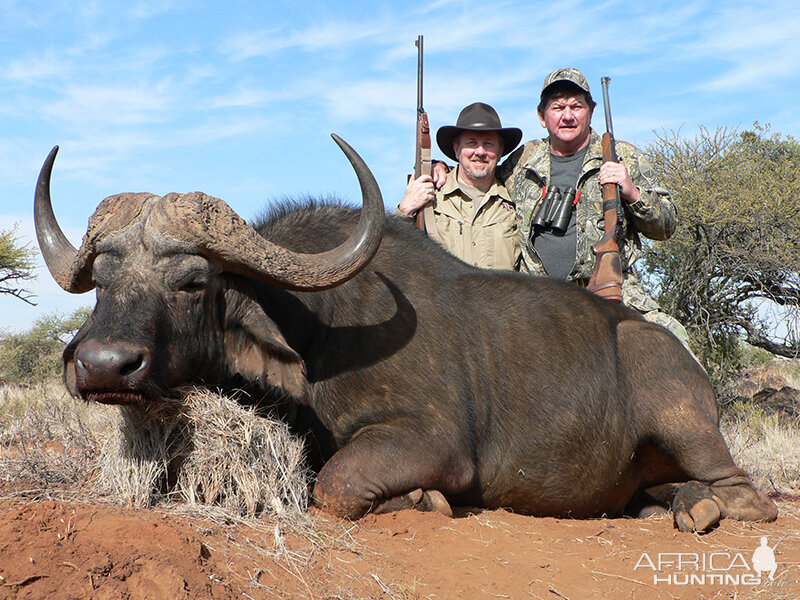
(34, 356)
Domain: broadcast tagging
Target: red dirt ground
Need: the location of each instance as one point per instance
(62, 549)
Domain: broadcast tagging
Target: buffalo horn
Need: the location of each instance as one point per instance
(243, 250)
(214, 227)
(59, 255)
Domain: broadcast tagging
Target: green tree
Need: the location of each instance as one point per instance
(16, 265)
(35, 355)
(737, 250)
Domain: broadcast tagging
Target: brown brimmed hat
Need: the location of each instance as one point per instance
(477, 117)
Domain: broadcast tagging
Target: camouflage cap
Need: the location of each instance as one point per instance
(567, 74)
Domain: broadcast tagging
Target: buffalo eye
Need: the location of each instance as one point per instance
(190, 283)
(192, 287)
(187, 274)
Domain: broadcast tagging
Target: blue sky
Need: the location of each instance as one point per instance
(239, 102)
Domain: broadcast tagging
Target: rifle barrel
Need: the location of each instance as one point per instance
(418, 44)
(604, 81)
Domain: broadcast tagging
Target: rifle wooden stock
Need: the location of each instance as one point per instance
(606, 279)
(422, 163)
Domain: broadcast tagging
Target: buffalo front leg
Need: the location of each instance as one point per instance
(384, 468)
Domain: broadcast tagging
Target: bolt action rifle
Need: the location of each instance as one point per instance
(606, 279)
(422, 161)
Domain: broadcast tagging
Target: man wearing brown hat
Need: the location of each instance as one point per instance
(570, 159)
(474, 217)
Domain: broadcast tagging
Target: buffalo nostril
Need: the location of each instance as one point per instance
(111, 366)
(138, 365)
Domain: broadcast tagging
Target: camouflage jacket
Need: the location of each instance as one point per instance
(526, 173)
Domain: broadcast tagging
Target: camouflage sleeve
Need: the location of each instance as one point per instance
(512, 164)
(654, 214)
(506, 170)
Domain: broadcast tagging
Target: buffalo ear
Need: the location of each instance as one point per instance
(256, 349)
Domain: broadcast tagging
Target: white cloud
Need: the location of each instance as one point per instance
(147, 9)
(746, 46)
(317, 37)
(100, 106)
(365, 99)
(247, 94)
(45, 66)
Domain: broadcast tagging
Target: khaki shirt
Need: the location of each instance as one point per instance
(482, 233)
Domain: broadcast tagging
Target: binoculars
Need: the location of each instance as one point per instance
(555, 211)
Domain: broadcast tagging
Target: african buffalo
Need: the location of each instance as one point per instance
(423, 380)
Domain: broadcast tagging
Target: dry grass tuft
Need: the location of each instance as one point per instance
(201, 456)
(139, 455)
(202, 449)
(46, 437)
(208, 450)
(242, 462)
(767, 447)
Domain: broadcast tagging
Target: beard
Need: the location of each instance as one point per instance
(478, 171)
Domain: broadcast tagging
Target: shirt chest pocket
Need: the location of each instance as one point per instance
(501, 219)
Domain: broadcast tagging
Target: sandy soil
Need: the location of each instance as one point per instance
(63, 549)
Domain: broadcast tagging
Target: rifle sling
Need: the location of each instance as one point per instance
(429, 221)
(610, 205)
(428, 218)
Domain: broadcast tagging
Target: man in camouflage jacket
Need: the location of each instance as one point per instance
(527, 173)
(565, 111)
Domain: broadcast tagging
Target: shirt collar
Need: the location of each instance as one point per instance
(540, 157)
(452, 184)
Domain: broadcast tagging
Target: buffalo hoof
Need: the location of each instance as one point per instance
(651, 510)
(695, 508)
(644, 505)
(434, 500)
(427, 501)
(402, 502)
(414, 496)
